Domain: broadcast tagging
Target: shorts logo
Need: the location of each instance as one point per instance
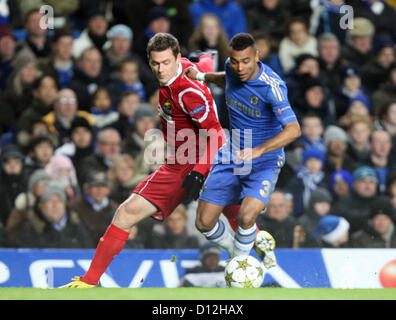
(197, 110)
(254, 100)
(279, 111)
(167, 107)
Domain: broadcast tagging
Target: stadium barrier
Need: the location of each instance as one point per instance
(302, 268)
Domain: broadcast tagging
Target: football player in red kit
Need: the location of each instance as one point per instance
(187, 110)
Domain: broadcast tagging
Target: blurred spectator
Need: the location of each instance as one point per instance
(136, 14)
(13, 179)
(330, 62)
(336, 141)
(209, 274)
(173, 234)
(311, 136)
(210, 35)
(94, 207)
(93, 36)
(121, 178)
(326, 16)
(333, 232)
(319, 205)
(144, 121)
(230, 12)
(7, 53)
(88, 76)
(37, 42)
(386, 120)
(379, 13)
(41, 149)
(355, 109)
(3, 239)
(61, 227)
(355, 207)
(107, 148)
(351, 89)
(281, 225)
(11, 14)
(18, 95)
(128, 79)
(296, 41)
(65, 112)
(81, 141)
(268, 16)
(340, 183)
(158, 21)
(314, 99)
(60, 63)
(379, 158)
(359, 132)
(119, 50)
(102, 111)
(45, 90)
(135, 239)
(386, 92)
(358, 47)
(376, 71)
(26, 207)
(379, 232)
(391, 188)
(268, 53)
(64, 174)
(307, 178)
(129, 103)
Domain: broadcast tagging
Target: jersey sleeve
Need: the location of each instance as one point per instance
(277, 98)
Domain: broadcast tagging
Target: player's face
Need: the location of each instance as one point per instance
(244, 63)
(164, 64)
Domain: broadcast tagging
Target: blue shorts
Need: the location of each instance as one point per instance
(223, 187)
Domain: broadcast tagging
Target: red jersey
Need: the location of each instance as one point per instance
(185, 107)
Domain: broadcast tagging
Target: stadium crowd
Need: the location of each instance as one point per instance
(76, 101)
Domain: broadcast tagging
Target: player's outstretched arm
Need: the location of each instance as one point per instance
(290, 132)
(212, 77)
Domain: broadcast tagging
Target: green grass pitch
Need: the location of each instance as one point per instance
(196, 294)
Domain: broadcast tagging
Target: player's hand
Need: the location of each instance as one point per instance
(193, 183)
(190, 72)
(247, 154)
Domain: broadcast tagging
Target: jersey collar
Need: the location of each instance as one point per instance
(178, 73)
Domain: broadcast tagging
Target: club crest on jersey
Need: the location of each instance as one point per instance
(167, 107)
(254, 100)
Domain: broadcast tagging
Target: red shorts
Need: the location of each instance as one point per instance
(163, 188)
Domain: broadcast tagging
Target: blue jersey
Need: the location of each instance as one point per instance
(258, 109)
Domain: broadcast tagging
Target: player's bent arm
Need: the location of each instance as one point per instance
(213, 77)
(290, 132)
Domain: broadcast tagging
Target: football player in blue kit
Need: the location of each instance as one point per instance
(246, 169)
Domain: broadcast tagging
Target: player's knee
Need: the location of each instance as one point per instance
(203, 225)
(246, 219)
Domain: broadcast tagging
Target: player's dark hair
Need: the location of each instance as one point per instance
(241, 41)
(162, 41)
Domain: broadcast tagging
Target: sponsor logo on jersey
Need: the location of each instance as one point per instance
(197, 110)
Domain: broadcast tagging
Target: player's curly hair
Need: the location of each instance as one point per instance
(162, 41)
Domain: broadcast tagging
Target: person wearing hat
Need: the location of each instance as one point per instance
(94, 207)
(209, 273)
(13, 179)
(26, 207)
(356, 206)
(333, 232)
(60, 227)
(379, 231)
(308, 177)
(358, 48)
(336, 142)
(319, 205)
(340, 184)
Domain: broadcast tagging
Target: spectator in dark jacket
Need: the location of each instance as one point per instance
(356, 207)
(379, 232)
(62, 228)
(174, 234)
(209, 274)
(386, 92)
(13, 179)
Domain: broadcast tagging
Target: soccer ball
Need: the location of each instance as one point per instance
(244, 272)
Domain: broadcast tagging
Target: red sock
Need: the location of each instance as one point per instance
(110, 244)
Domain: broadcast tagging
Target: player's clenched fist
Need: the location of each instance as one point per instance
(190, 72)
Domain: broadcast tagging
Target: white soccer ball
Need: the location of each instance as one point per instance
(244, 272)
